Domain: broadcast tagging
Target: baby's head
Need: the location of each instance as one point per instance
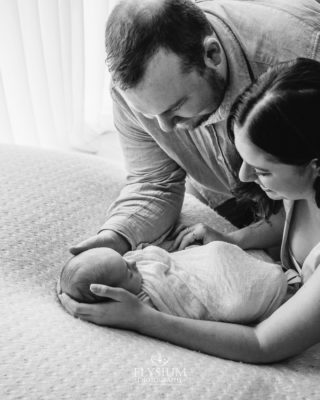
(100, 265)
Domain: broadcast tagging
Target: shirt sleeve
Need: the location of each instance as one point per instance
(152, 199)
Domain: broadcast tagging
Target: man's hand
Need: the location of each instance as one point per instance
(105, 238)
(126, 311)
(198, 233)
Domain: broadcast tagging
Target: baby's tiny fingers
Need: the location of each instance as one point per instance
(175, 231)
(187, 240)
(179, 238)
(179, 229)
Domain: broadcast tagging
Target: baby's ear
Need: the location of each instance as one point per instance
(132, 262)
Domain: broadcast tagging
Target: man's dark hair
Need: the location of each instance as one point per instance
(137, 29)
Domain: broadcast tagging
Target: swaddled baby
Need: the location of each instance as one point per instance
(218, 281)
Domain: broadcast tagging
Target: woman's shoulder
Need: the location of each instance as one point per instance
(311, 263)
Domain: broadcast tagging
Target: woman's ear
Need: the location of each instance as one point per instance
(212, 52)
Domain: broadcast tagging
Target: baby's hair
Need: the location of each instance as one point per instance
(68, 271)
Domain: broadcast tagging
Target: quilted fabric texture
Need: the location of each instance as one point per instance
(50, 200)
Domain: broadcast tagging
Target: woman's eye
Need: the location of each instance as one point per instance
(262, 173)
(176, 108)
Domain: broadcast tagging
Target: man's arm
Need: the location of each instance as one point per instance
(105, 238)
(152, 199)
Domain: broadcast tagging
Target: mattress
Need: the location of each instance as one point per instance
(50, 200)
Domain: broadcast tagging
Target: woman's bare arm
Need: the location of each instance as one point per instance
(292, 328)
(260, 235)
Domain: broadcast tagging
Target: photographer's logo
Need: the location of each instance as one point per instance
(158, 361)
(160, 372)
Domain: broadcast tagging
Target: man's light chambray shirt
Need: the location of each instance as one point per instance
(255, 35)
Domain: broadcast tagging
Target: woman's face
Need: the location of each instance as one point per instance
(278, 180)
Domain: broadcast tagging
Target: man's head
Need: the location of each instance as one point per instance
(99, 265)
(165, 58)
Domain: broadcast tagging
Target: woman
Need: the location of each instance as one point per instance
(276, 130)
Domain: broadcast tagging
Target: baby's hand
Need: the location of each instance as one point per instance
(197, 233)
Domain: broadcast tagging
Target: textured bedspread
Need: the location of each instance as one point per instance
(49, 200)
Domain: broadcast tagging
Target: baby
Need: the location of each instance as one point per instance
(99, 265)
(218, 281)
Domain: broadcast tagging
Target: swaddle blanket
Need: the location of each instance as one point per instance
(218, 281)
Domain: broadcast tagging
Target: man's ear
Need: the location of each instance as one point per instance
(315, 165)
(212, 52)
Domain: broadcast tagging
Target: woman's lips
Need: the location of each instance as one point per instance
(265, 189)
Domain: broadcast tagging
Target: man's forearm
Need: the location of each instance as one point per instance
(225, 340)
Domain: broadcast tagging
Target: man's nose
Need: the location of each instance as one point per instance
(246, 173)
(165, 123)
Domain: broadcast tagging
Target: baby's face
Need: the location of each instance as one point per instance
(127, 274)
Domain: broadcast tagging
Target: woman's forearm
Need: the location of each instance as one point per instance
(225, 340)
(260, 235)
(291, 329)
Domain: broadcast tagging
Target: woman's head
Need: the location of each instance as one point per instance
(276, 129)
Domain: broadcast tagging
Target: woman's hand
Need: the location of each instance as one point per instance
(126, 311)
(197, 233)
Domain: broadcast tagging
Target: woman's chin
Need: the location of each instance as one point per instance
(273, 195)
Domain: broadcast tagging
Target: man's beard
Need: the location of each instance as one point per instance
(218, 83)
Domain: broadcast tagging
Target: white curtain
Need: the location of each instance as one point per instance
(53, 79)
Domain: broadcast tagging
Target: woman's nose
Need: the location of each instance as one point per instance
(165, 122)
(246, 173)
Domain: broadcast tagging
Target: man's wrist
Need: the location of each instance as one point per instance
(117, 241)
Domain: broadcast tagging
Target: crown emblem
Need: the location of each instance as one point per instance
(158, 360)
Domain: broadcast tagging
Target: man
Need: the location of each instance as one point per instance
(176, 68)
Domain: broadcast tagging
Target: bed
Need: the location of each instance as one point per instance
(50, 200)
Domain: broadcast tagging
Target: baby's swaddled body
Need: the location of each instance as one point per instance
(218, 281)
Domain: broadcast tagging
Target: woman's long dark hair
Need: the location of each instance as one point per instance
(282, 114)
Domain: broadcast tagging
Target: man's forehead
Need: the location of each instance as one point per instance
(162, 87)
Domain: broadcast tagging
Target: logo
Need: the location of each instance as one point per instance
(160, 372)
